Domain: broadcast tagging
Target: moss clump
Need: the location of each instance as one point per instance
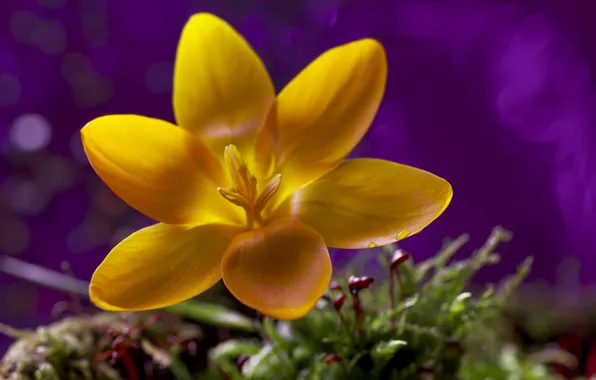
(420, 322)
(106, 346)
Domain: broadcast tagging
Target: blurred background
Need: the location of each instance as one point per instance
(495, 96)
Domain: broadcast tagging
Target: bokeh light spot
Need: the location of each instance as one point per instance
(50, 37)
(23, 25)
(47, 35)
(24, 196)
(30, 132)
(89, 88)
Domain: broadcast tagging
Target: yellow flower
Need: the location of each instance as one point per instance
(249, 187)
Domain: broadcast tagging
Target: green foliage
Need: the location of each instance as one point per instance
(423, 321)
(75, 348)
(213, 315)
(436, 328)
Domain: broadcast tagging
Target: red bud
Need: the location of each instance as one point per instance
(332, 358)
(359, 283)
(334, 285)
(338, 301)
(399, 257)
(242, 361)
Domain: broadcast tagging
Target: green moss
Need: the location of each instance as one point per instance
(435, 328)
(70, 349)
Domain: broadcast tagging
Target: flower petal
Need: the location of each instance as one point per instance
(222, 90)
(157, 168)
(368, 202)
(281, 269)
(159, 266)
(324, 112)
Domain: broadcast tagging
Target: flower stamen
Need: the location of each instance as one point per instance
(268, 191)
(243, 191)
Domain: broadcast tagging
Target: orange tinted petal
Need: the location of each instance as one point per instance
(368, 202)
(281, 269)
(326, 109)
(159, 266)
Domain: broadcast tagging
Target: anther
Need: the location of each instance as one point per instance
(237, 167)
(243, 189)
(233, 196)
(268, 192)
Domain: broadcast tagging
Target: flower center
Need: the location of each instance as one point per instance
(244, 191)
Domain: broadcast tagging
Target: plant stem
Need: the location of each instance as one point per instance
(392, 297)
(42, 276)
(400, 283)
(358, 313)
(14, 333)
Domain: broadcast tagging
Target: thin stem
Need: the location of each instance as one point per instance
(358, 313)
(392, 297)
(250, 220)
(400, 283)
(77, 305)
(42, 276)
(345, 369)
(14, 333)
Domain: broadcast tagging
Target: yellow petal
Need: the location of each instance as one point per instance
(324, 112)
(159, 266)
(281, 269)
(159, 169)
(368, 202)
(222, 90)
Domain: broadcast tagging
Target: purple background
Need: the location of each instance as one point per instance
(496, 96)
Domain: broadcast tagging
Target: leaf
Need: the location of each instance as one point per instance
(233, 348)
(14, 333)
(459, 303)
(211, 314)
(512, 283)
(46, 371)
(388, 348)
(178, 369)
(270, 332)
(381, 319)
(261, 365)
(160, 356)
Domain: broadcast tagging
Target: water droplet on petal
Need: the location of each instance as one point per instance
(372, 244)
(402, 235)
